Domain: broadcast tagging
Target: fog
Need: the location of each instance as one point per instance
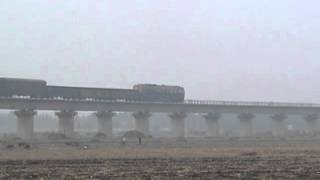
(265, 50)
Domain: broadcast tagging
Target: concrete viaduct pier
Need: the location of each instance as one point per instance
(212, 122)
(279, 126)
(212, 112)
(178, 124)
(25, 124)
(246, 127)
(104, 119)
(311, 123)
(142, 123)
(66, 122)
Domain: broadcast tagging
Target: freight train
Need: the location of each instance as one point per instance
(10, 87)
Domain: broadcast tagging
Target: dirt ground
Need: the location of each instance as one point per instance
(162, 159)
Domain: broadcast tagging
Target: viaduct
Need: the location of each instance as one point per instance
(66, 109)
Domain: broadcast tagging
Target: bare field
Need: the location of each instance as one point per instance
(164, 159)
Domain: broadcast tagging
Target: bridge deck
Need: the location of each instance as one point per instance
(189, 106)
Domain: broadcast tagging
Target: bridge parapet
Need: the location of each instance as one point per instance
(250, 103)
(191, 102)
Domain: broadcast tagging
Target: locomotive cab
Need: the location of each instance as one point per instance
(160, 93)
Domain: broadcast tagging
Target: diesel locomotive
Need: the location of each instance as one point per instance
(141, 92)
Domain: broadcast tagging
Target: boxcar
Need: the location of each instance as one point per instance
(22, 87)
(93, 93)
(62, 91)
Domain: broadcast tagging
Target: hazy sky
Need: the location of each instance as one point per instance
(217, 49)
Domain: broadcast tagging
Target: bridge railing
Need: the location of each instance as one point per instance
(250, 103)
(192, 102)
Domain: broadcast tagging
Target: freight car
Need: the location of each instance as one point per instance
(160, 93)
(22, 87)
(93, 93)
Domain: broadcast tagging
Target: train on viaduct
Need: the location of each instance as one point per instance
(10, 87)
(26, 97)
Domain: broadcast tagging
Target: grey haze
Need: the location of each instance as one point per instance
(266, 50)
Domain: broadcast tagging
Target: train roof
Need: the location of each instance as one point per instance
(157, 85)
(22, 80)
(79, 87)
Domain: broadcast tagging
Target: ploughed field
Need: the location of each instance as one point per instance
(162, 159)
